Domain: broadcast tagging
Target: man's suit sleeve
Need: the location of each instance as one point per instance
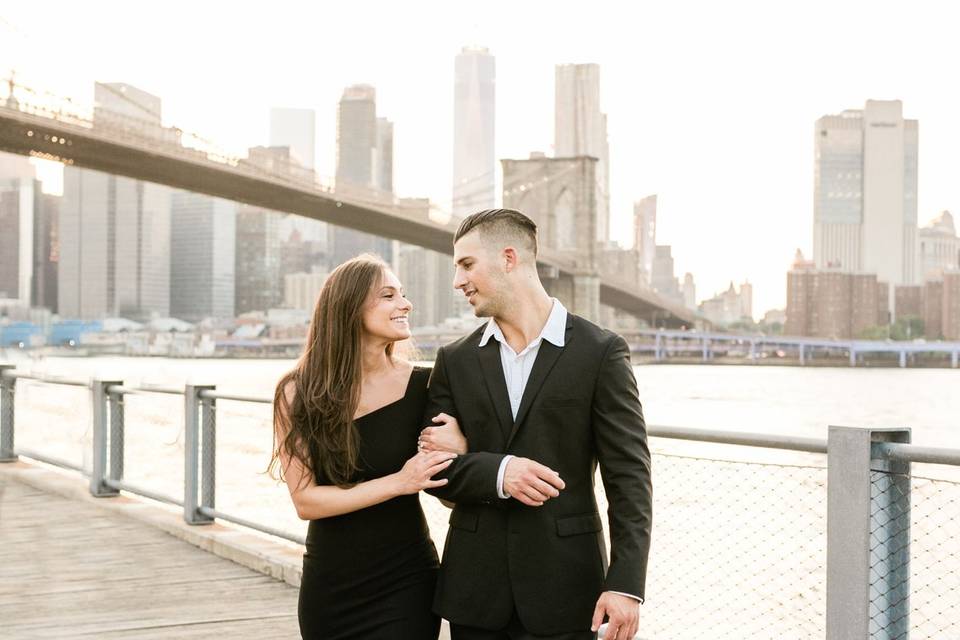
(472, 476)
(620, 437)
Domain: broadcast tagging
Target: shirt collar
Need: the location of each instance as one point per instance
(554, 331)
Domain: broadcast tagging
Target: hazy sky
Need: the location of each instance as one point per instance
(711, 105)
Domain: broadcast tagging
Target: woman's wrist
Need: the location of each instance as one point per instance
(394, 484)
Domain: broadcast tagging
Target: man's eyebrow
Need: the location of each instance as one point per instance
(464, 258)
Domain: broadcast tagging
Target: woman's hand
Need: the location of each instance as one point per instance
(446, 436)
(418, 471)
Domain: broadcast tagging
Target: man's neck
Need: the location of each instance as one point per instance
(525, 319)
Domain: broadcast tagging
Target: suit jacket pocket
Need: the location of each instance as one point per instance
(557, 400)
(460, 519)
(576, 525)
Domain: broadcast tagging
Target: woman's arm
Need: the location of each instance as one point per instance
(314, 501)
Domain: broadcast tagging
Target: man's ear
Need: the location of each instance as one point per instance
(510, 260)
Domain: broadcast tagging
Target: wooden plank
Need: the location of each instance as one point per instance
(70, 569)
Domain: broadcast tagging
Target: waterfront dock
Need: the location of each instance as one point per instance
(79, 567)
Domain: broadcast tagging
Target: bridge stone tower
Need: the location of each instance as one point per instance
(559, 194)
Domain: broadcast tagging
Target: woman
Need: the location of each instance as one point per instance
(346, 427)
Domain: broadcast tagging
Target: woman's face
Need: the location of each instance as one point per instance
(385, 314)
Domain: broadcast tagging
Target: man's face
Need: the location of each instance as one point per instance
(480, 275)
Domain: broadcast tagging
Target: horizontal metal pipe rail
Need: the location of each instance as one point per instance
(208, 396)
(279, 533)
(745, 439)
(120, 485)
(914, 453)
(216, 395)
(67, 382)
(51, 460)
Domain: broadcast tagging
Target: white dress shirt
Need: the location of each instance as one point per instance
(517, 368)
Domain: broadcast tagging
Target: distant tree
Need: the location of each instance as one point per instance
(744, 325)
(879, 332)
(904, 329)
(907, 328)
(772, 329)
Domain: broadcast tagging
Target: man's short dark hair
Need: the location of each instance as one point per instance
(503, 223)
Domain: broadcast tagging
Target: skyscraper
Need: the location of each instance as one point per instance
(364, 168)
(474, 118)
(662, 275)
(865, 192)
(645, 228)
(114, 247)
(939, 246)
(383, 165)
(258, 279)
(832, 303)
(18, 193)
(118, 104)
(115, 231)
(294, 128)
(202, 257)
(259, 242)
(357, 136)
(580, 129)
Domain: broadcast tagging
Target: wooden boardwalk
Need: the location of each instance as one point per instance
(71, 569)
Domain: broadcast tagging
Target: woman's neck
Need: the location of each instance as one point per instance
(375, 359)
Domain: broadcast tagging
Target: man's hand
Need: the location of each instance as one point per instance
(624, 614)
(531, 482)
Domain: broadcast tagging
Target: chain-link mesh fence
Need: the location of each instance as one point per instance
(152, 443)
(54, 420)
(244, 489)
(7, 399)
(914, 557)
(738, 549)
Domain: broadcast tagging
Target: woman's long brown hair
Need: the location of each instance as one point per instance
(317, 427)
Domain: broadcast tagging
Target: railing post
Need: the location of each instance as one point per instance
(99, 474)
(868, 537)
(8, 386)
(192, 443)
(803, 355)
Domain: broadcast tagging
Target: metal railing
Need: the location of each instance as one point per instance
(841, 541)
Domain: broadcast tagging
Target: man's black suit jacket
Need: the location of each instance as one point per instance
(580, 407)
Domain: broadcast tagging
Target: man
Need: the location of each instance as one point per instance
(542, 396)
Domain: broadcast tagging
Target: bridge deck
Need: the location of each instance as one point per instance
(70, 569)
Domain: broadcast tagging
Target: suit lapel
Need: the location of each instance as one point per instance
(496, 384)
(547, 356)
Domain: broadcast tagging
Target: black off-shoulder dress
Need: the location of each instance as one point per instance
(371, 574)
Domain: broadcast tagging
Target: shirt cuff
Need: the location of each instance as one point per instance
(629, 595)
(503, 469)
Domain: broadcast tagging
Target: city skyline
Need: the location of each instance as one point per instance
(681, 124)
